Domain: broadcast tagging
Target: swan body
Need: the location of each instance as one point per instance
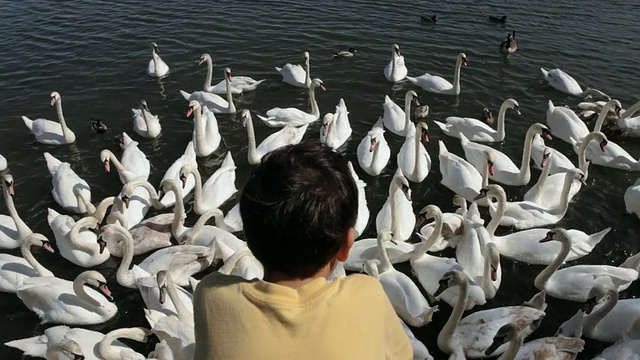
(478, 130)
(395, 119)
(420, 351)
(279, 117)
(154, 289)
(397, 212)
(362, 219)
(373, 151)
(12, 228)
(206, 136)
(626, 121)
(632, 199)
(336, 129)
(239, 84)
(395, 70)
(288, 135)
(64, 180)
(77, 243)
(458, 175)
(214, 102)
(217, 189)
(563, 82)
(240, 263)
(561, 162)
(413, 159)
(14, 270)
(157, 67)
(173, 172)
(232, 222)
(296, 75)
(439, 85)
(547, 191)
(51, 132)
(470, 246)
(145, 123)
(603, 152)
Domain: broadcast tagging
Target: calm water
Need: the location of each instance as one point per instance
(95, 54)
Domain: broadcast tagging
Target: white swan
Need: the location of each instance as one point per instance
(363, 210)
(296, 75)
(458, 175)
(336, 129)
(470, 246)
(78, 242)
(157, 67)
(627, 122)
(373, 151)
(148, 235)
(547, 191)
(395, 69)
(81, 307)
(452, 226)
(395, 119)
(561, 162)
(439, 85)
(108, 351)
(413, 159)
(626, 348)
(14, 270)
(288, 135)
(632, 199)
(64, 180)
(474, 334)
(478, 130)
(218, 188)
(565, 124)
(12, 228)
(279, 117)
(407, 301)
(552, 347)
(133, 205)
(51, 132)
(173, 172)
(97, 211)
(397, 212)
(214, 102)
(563, 82)
(239, 84)
(3, 163)
(145, 123)
(240, 263)
(133, 165)
(206, 136)
(232, 221)
(575, 282)
(603, 152)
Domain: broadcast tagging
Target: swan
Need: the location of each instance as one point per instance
(397, 212)
(626, 348)
(279, 117)
(395, 119)
(219, 222)
(407, 301)
(79, 247)
(561, 163)
(217, 189)
(626, 121)
(362, 219)
(474, 334)
(574, 283)
(564, 123)
(396, 69)
(563, 82)
(504, 170)
(81, 307)
(145, 123)
(470, 246)
(109, 352)
(547, 191)
(14, 269)
(601, 151)
(296, 75)
(133, 165)
(452, 226)
(157, 67)
(64, 180)
(492, 275)
(632, 199)
(148, 235)
(132, 205)
(439, 85)
(97, 211)
(51, 132)
(288, 135)
(173, 172)
(429, 269)
(3, 163)
(206, 136)
(509, 46)
(373, 151)
(214, 102)
(336, 129)
(458, 175)
(239, 84)
(552, 347)
(478, 130)
(232, 221)
(240, 263)
(525, 246)
(12, 228)
(413, 159)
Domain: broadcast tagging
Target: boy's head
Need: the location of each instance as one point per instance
(298, 207)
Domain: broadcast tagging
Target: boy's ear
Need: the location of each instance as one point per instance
(349, 238)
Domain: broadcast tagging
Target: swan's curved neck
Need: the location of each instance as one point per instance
(177, 226)
(125, 276)
(199, 127)
(542, 278)
(563, 205)
(232, 106)
(525, 169)
(315, 111)
(486, 282)
(254, 158)
(485, 175)
(497, 216)
(602, 116)
(25, 249)
(90, 248)
(591, 321)
(183, 314)
(207, 80)
(582, 151)
(63, 124)
(514, 346)
(100, 210)
(78, 289)
(385, 263)
(307, 80)
(542, 178)
(107, 351)
(407, 113)
(153, 194)
(445, 338)
(197, 190)
(393, 207)
(456, 76)
(428, 243)
(23, 229)
(417, 167)
(114, 160)
(394, 58)
(630, 111)
(501, 120)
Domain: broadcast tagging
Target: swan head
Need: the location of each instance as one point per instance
(462, 58)
(459, 200)
(143, 105)
(546, 156)
(163, 280)
(421, 112)
(185, 170)
(37, 239)
(327, 120)
(427, 212)
(450, 279)
(104, 157)
(412, 96)
(572, 327)
(54, 97)
(488, 155)
(577, 174)
(402, 183)
(227, 73)
(97, 280)
(305, 56)
(245, 115)
(194, 105)
(8, 183)
(317, 83)
(614, 105)
(396, 50)
(504, 335)
(154, 48)
(98, 126)
(386, 235)
(540, 129)
(513, 104)
(596, 294)
(424, 131)
(491, 251)
(556, 234)
(168, 185)
(493, 190)
(70, 348)
(204, 57)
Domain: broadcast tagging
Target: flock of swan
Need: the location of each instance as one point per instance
(89, 232)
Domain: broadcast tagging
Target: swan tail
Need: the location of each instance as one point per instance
(442, 148)
(52, 162)
(594, 239)
(545, 73)
(632, 262)
(463, 139)
(265, 119)
(538, 301)
(441, 125)
(412, 80)
(52, 215)
(185, 95)
(27, 122)
(278, 69)
(33, 346)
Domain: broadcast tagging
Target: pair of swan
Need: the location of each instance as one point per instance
(336, 129)
(157, 67)
(51, 132)
(279, 117)
(374, 151)
(478, 130)
(239, 84)
(214, 102)
(395, 70)
(133, 164)
(551, 347)
(77, 240)
(395, 119)
(12, 228)
(288, 135)
(145, 123)
(218, 188)
(64, 181)
(603, 152)
(14, 270)
(565, 124)
(413, 158)
(563, 82)
(397, 212)
(437, 84)
(296, 75)
(206, 135)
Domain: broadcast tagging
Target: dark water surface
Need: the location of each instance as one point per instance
(95, 54)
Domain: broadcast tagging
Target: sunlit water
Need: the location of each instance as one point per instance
(95, 54)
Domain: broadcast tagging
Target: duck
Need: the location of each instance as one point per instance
(157, 67)
(565, 124)
(395, 119)
(77, 240)
(336, 129)
(214, 102)
(206, 135)
(498, 19)
(413, 159)
(145, 123)
(374, 151)
(51, 132)
(362, 219)
(12, 228)
(405, 297)
(509, 46)
(551, 347)
(458, 175)
(133, 164)
(279, 117)
(239, 84)
(479, 130)
(218, 188)
(296, 75)
(564, 83)
(431, 19)
(64, 180)
(288, 135)
(98, 126)
(81, 306)
(582, 278)
(601, 151)
(547, 191)
(345, 53)
(632, 199)
(14, 270)
(397, 212)
(173, 172)
(395, 69)
(437, 84)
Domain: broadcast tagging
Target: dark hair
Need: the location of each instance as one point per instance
(297, 206)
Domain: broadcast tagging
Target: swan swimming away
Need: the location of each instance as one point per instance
(51, 132)
(395, 119)
(239, 84)
(157, 67)
(296, 75)
(279, 117)
(437, 84)
(563, 82)
(214, 102)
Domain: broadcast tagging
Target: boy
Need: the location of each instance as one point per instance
(298, 208)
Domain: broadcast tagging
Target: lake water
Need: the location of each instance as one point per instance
(95, 54)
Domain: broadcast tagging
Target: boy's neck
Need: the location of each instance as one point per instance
(280, 278)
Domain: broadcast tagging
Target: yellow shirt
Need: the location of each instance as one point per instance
(348, 318)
